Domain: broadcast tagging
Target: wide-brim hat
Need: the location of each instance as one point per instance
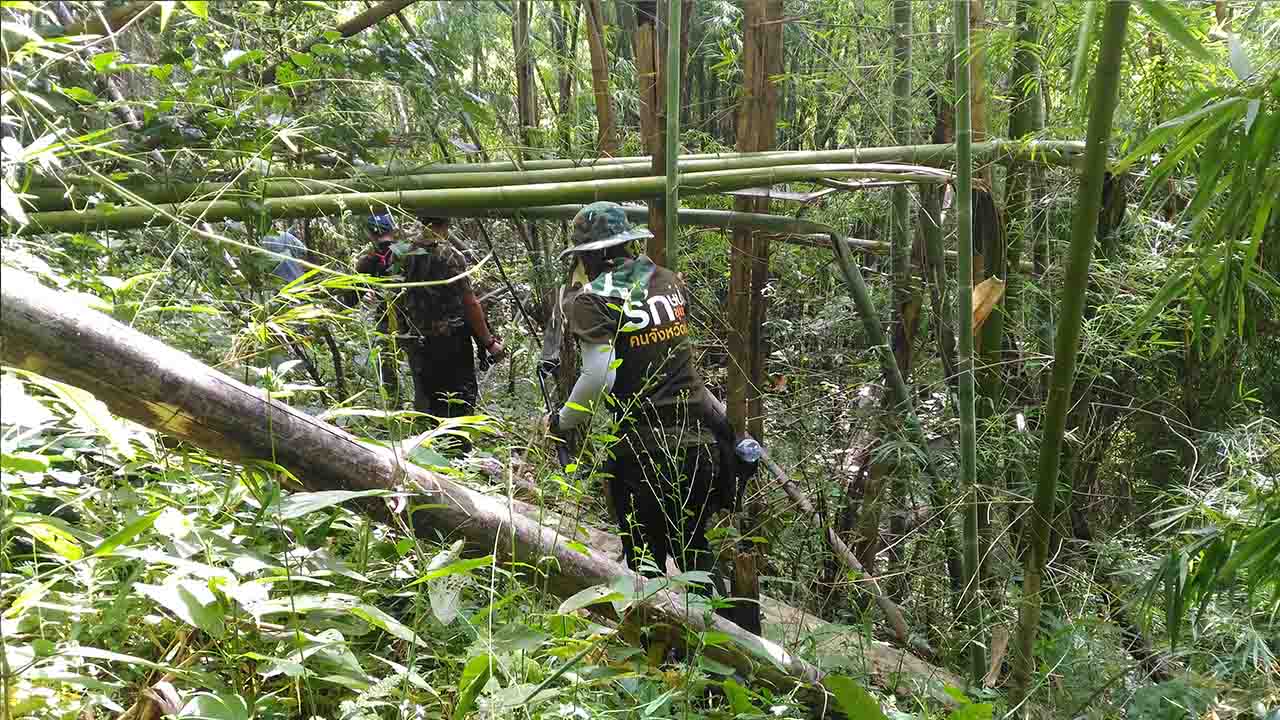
(602, 225)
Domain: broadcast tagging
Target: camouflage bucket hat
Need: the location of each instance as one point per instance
(600, 225)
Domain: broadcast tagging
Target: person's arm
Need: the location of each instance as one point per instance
(597, 375)
(474, 314)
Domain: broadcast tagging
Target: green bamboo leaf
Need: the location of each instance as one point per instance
(130, 531)
(93, 653)
(166, 11)
(190, 600)
(593, 595)
(1160, 12)
(853, 699)
(60, 541)
(1084, 40)
(299, 504)
(199, 8)
(383, 621)
(738, 697)
(972, 711)
(91, 412)
(461, 566)
(24, 462)
(474, 677)
(1217, 112)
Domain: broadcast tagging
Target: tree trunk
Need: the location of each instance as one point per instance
(607, 139)
(1103, 95)
(749, 258)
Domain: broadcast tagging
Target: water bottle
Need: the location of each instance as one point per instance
(749, 450)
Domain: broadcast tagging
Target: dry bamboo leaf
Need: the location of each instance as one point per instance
(985, 296)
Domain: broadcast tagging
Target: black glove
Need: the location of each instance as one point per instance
(483, 362)
(549, 368)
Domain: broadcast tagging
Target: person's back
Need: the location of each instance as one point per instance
(640, 308)
(433, 310)
(665, 476)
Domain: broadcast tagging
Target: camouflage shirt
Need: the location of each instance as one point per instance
(429, 311)
(433, 310)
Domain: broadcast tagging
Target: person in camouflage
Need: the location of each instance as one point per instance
(630, 319)
(436, 324)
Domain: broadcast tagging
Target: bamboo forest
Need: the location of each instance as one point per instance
(636, 359)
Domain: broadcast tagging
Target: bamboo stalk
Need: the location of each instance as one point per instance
(456, 201)
(672, 142)
(1104, 92)
(53, 196)
(969, 606)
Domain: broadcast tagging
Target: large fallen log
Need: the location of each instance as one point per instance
(140, 378)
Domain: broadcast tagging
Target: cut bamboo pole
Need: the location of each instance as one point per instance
(458, 201)
(75, 190)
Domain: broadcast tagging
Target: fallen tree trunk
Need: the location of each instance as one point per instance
(140, 378)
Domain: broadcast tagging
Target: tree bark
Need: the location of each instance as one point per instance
(1103, 94)
(749, 260)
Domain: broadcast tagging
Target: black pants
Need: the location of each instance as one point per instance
(444, 375)
(663, 498)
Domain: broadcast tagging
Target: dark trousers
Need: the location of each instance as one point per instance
(663, 499)
(444, 375)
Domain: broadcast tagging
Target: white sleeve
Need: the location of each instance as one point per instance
(597, 376)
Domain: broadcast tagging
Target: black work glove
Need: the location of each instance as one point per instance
(549, 368)
(483, 362)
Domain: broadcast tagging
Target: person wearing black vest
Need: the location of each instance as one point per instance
(673, 466)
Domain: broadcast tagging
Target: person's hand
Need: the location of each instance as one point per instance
(496, 349)
(551, 427)
(549, 368)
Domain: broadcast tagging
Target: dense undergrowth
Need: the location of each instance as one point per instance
(142, 577)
